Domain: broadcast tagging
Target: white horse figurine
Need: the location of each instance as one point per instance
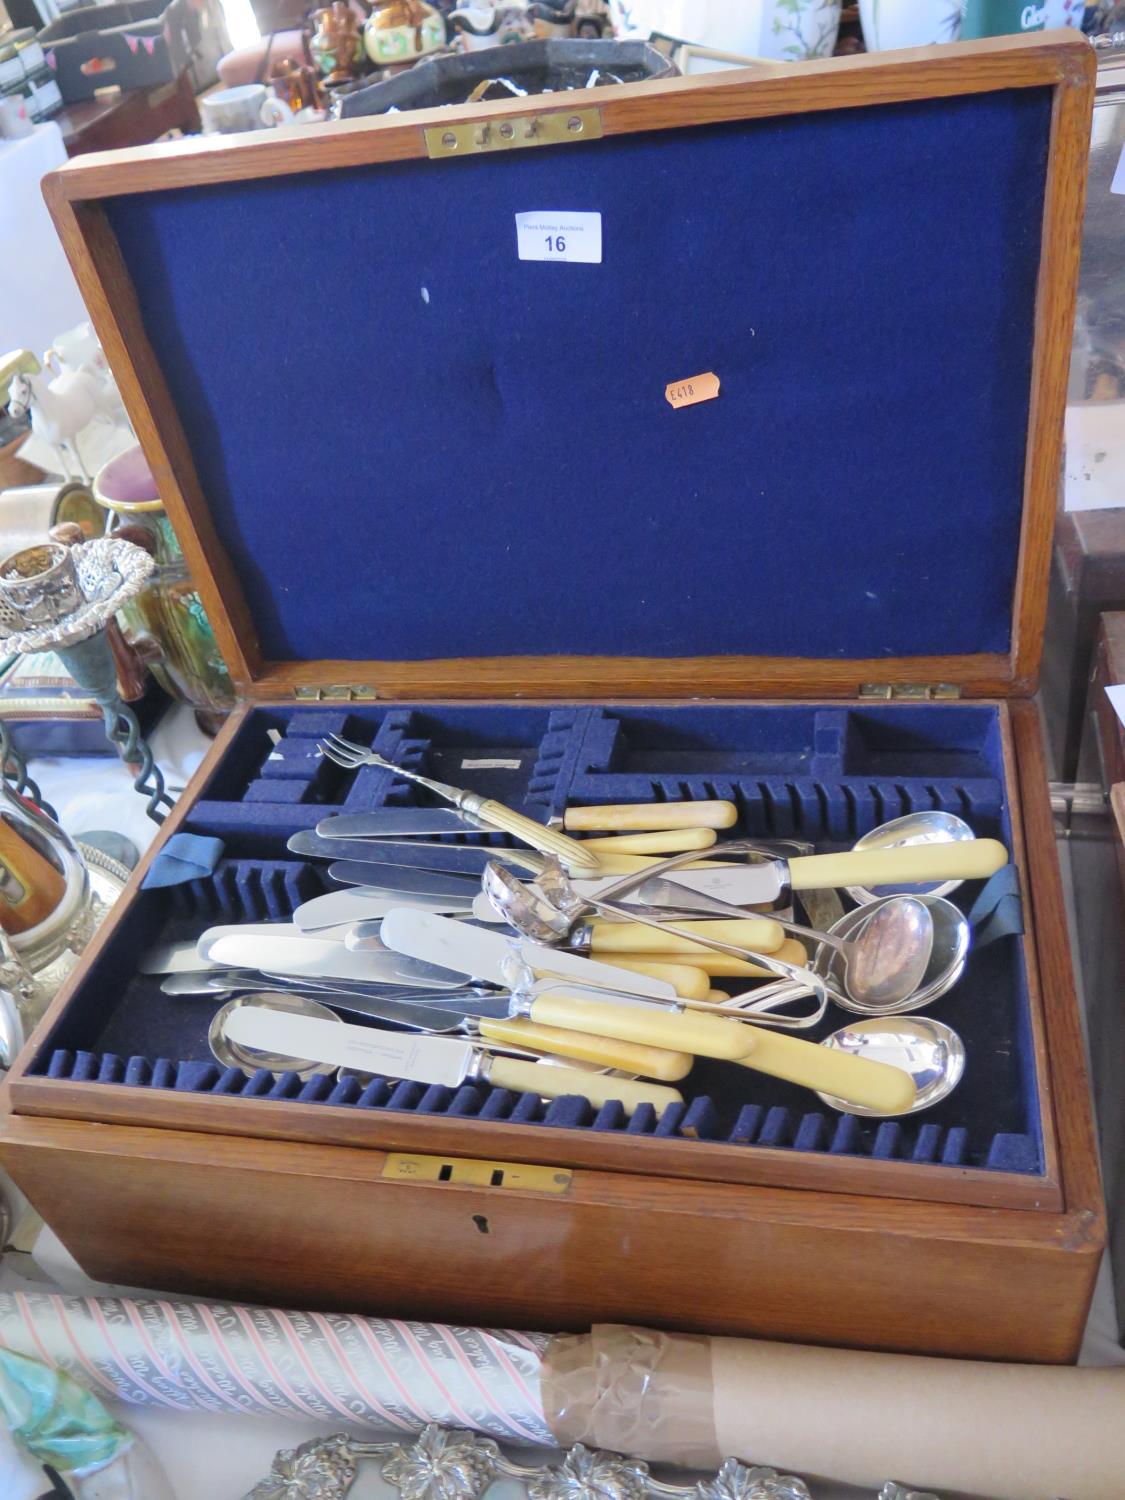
(59, 408)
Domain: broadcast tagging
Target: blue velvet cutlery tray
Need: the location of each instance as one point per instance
(825, 774)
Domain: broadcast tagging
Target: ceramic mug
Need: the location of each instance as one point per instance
(909, 23)
(14, 118)
(276, 112)
(228, 111)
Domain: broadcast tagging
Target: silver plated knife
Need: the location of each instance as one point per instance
(399, 823)
(307, 957)
(464, 859)
(428, 1059)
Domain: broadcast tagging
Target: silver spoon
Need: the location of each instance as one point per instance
(952, 936)
(883, 963)
(931, 827)
(931, 1052)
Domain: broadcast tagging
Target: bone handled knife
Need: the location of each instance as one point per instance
(430, 1059)
(875, 1086)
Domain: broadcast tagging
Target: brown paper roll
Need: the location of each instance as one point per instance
(1006, 1432)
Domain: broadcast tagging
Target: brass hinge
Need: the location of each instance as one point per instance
(341, 692)
(513, 131)
(911, 692)
(468, 1172)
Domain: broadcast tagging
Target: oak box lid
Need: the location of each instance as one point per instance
(401, 457)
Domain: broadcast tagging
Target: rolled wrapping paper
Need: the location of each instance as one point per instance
(388, 1375)
(1008, 1432)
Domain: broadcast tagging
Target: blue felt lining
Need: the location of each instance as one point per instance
(792, 769)
(489, 466)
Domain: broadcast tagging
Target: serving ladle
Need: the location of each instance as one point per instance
(884, 962)
(931, 1052)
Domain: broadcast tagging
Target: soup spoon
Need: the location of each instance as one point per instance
(931, 1052)
(932, 827)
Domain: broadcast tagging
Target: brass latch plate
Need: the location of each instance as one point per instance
(468, 1172)
(909, 692)
(339, 692)
(511, 132)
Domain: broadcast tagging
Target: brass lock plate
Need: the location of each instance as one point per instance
(512, 132)
(469, 1172)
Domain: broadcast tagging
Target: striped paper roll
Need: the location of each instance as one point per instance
(204, 1356)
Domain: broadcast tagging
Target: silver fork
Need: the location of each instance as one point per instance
(493, 814)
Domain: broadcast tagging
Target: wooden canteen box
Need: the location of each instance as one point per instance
(435, 498)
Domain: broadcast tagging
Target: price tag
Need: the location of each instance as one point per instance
(690, 392)
(553, 234)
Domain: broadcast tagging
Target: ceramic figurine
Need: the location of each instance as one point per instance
(582, 18)
(78, 350)
(480, 23)
(70, 1433)
(402, 31)
(337, 45)
(59, 408)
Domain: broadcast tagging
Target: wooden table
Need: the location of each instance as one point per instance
(133, 118)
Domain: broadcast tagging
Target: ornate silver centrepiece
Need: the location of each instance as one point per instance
(443, 1464)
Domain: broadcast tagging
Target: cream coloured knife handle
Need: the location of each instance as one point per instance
(759, 934)
(670, 841)
(653, 816)
(607, 1052)
(971, 859)
(721, 966)
(547, 840)
(873, 1085)
(558, 1083)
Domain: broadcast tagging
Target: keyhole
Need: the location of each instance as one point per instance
(481, 1222)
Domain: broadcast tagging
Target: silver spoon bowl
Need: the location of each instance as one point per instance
(948, 954)
(234, 1055)
(931, 1052)
(915, 828)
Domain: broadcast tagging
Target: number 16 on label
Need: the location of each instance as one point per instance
(554, 235)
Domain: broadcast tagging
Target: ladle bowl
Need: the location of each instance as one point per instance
(948, 954)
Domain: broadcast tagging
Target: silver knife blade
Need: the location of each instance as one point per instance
(465, 859)
(362, 905)
(399, 823)
(307, 957)
(385, 878)
(493, 956)
(425, 1059)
